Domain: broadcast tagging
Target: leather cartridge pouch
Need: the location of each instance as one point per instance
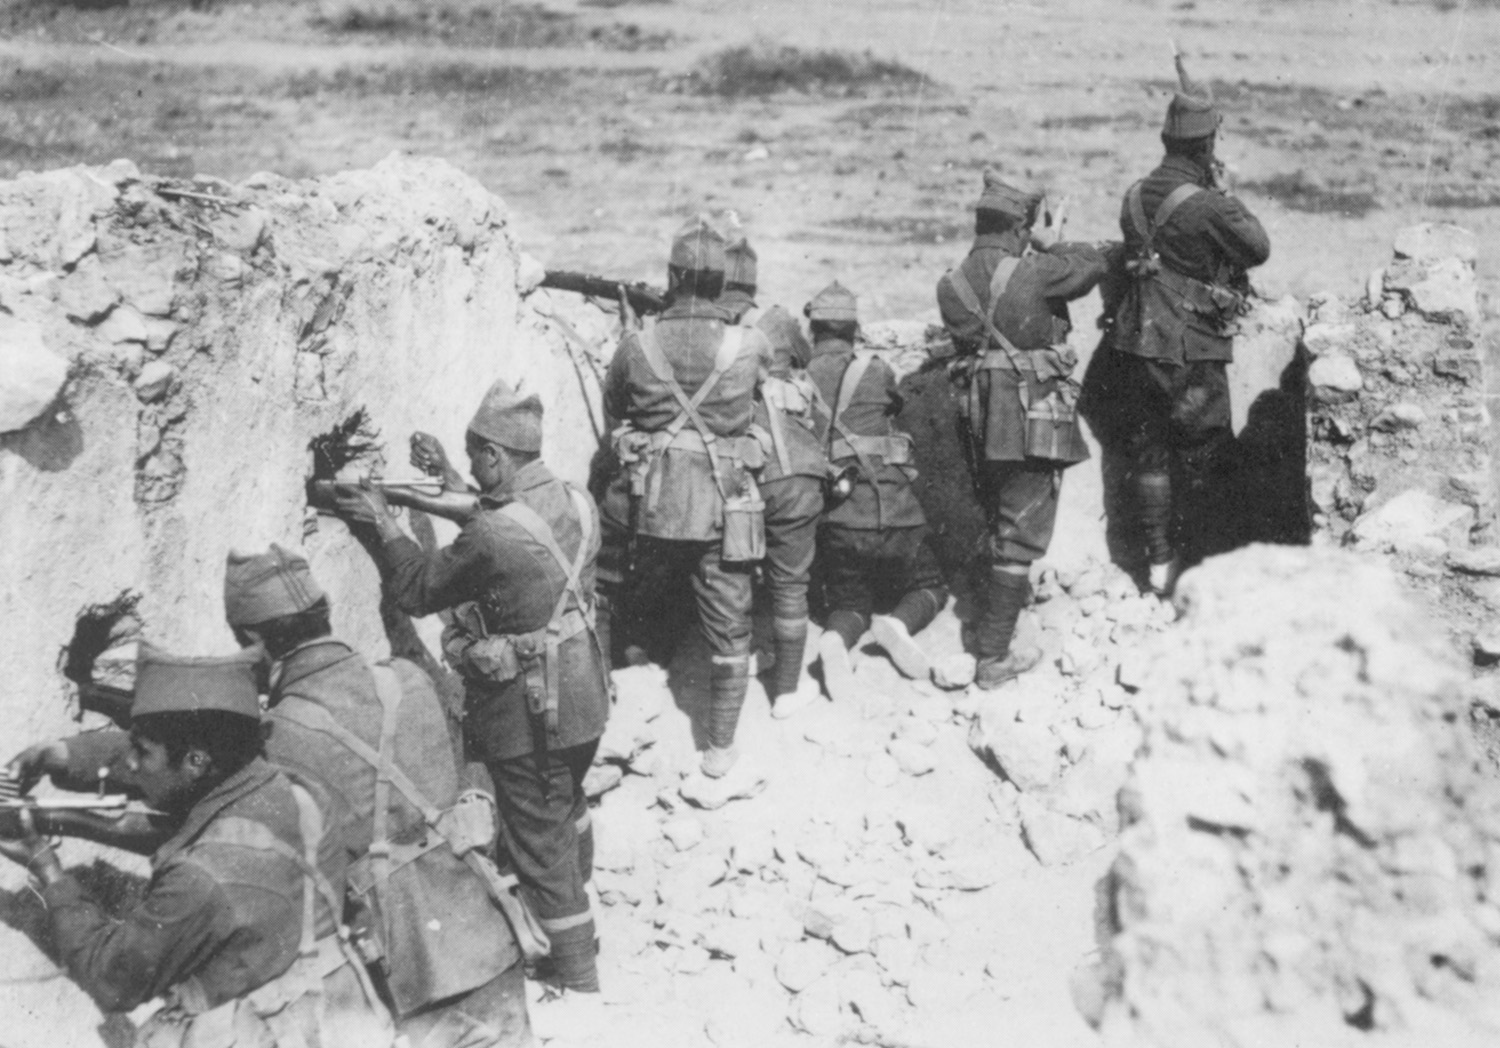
(744, 538)
(1053, 431)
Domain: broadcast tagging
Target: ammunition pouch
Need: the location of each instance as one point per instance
(501, 658)
(1052, 427)
(1214, 305)
(744, 539)
(894, 449)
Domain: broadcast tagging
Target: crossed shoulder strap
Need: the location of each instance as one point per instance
(729, 349)
(1146, 230)
(849, 382)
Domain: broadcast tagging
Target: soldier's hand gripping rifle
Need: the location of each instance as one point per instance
(642, 298)
(111, 819)
(428, 495)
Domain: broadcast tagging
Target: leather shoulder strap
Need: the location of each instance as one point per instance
(853, 375)
(1174, 200)
(1001, 278)
(1137, 211)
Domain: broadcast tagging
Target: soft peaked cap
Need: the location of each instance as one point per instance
(167, 683)
(509, 419)
(739, 263)
(259, 587)
(835, 302)
(999, 195)
(1191, 113)
(698, 246)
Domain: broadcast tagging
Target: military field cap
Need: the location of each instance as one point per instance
(509, 419)
(999, 195)
(739, 262)
(834, 302)
(167, 683)
(699, 246)
(787, 341)
(1189, 116)
(259, 587)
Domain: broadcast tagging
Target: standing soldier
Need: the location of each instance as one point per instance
(874, 539)
(685, 503)
(240, 929)
(520, 577)
(789, 412)
(1164, 386)
(1006, 308)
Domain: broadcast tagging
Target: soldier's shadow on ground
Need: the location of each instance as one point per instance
(114, 890)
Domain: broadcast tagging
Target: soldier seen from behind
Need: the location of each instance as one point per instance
(793, 421)
(520, 580)
(1158, 389)
(684, 503)
(1006, 309)
(873, 543)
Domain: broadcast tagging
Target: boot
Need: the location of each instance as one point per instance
(728, 678)
(715, 784)
(838, 670)
(789, 637)
(893, 632)
(573, 963)
(1006, 593)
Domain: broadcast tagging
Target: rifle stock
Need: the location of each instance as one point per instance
(450, 505)
(643, 298)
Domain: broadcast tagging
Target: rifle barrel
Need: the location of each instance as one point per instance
(113, 802)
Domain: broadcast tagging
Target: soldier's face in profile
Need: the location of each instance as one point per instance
(167, 786)
(484, 462)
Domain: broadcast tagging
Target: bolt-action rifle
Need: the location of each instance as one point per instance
(426, 495)
(112, 819)
(643, 298)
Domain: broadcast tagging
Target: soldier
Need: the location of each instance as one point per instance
(239, 931)
(520, 577)
(1163, 386)
(792, 415)
(1006, 308)
(874, 540)
(685, 503)
(378, 738)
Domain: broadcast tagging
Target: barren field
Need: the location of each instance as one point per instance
(850, 139)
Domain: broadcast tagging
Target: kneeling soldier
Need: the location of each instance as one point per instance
(874, 541)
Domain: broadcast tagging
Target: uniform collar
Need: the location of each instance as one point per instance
(1008, 242)
(532, 475)
(695, 308)
(832, 346)
(238, 786)
(736, 304)
(1190, 170)
(306, 659)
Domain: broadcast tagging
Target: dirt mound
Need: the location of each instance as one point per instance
(1310, 846)
(183, 343)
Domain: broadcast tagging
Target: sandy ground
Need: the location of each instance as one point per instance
(1345, 121)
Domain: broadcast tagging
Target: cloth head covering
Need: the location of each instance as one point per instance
(1191, 113)
(259, 587)
(167, 683)
(835, 302)
(999, 195)
(739, 263)
(698, 246)
(790, 346)
(508, 419)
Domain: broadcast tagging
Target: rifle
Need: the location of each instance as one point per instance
(111, 819)
(643, 298)
(429, 496)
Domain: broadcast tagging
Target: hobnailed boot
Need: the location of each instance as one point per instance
(893, 632)
(1007, 592)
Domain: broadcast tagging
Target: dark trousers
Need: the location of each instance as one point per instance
(1020, 508)
(869, 570)
(544, 829)
(490, 1016)
(793, 506)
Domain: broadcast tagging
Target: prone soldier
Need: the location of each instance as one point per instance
(240, 930)
(1161, 387)
(1006, 309)
(873, 541)
(520, 579)
(793, 417)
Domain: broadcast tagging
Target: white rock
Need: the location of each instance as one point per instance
(1393, 307)
(1398, 417)
(601, 778)
(155, 381)
(1487, 646)
(818, 1011)
(1335, 374)
(854, 934)
(1484, 560)
(124, 324)
(31, 375)
(921, 732)
(1435, 241)
(684, 832)
(1133, 670)
(882, 770)
(802, 963)
(1029, 755)
(1322, 339)
(912, 758)
(529, 273)
(954, 671)
(1374, 288)
(691, 961)
(753, 849)
(1449, 291)
(897, 957)
(1411, 517)
(1056, 839)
